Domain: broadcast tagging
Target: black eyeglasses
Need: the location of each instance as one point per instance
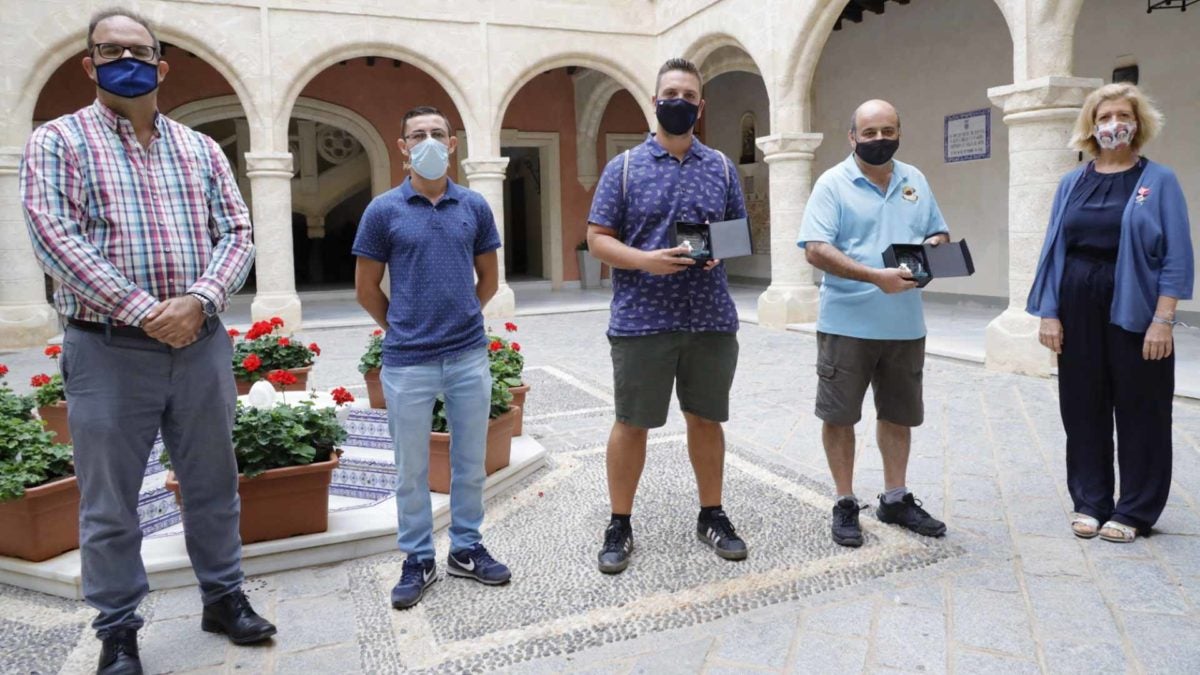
(418, 136)
(113, 51)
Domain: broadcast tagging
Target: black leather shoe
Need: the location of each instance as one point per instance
(119, 655)
(233, 616)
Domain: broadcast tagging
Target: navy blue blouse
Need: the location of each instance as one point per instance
(1092, 221)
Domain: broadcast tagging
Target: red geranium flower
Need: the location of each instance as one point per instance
(510, 327)
(283, 342)
(233, 332)
(53, 351)
(252, 363)
(39, 380)
(281, 377)
(276, 321)
(378, 332)
(3, 370)
(259, 329)
(314, 349)
(495, 346)
(341, 396)
(516, 346)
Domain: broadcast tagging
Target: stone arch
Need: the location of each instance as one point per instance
(224, 107)
(179, 29)
(719, 53)
(342, 52)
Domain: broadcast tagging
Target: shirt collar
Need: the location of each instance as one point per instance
(696, 150)
(856, 175)
(454, 191)
(116, 122)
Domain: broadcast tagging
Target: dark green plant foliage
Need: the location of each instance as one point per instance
(49, 394)
(373, 357)
(29, 457)
(274, 356)
(16, 406)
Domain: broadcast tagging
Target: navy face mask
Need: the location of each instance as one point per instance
(676, 115)
(127, 78)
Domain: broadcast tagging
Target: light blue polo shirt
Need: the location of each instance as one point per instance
(851, 213)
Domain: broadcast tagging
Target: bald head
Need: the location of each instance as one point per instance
(874, 116)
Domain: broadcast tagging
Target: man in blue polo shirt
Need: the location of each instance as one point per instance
(673, 322)
(435, 237)
(871, 329)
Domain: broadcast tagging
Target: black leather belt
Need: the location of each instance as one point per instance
(104, 328)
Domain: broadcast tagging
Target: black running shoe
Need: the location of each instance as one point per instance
(846, 530)
(718, 532)
(618, 544)
(909, 514)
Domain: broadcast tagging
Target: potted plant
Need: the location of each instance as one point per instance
(286, 454)
(264, 349)
(39, 497)
(589, 267)
(369, 365)
(506, 362)
(499, 438)
(51, 399)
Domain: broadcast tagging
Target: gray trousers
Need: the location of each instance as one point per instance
(121, 391)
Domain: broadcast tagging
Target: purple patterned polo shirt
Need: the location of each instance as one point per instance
(659, 191)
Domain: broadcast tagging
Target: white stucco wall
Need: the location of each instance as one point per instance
(930, 59)
(1163, 45)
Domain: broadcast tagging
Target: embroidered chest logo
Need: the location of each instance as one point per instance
(909, 193)
(1142, 193)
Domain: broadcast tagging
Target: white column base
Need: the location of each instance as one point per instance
(27, 325)
(1012, 345)
(503, 304)
(780, 305)
(283, 305)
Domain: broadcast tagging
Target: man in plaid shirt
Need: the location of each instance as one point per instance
(140, 222)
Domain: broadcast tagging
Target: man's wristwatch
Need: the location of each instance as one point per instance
(210, 309)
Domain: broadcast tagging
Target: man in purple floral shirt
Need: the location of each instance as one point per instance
(673, 321)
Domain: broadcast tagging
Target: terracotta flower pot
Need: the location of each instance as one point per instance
(518, 401)
(43, 523)
(281, 503)
(243, 386)
(499, 450)
(55, 418)
(375, 389)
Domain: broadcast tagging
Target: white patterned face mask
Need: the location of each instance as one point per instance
(1115, 134)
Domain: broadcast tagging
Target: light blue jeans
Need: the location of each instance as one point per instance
(465, 381)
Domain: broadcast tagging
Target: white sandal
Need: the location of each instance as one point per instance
(1119, 533)
(1084, 526)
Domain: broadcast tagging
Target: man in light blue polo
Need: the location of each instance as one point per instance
(871, 329)
(435, 237)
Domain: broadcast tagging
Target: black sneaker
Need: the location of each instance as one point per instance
(618, 544)
(846, 530)
(909, 514)
(718, 532)
(415, 577)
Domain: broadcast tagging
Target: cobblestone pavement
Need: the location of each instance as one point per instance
(1008, 590)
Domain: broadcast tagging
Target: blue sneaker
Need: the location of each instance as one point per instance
(476, 563)
(414, 579)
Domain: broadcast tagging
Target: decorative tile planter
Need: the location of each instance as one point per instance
(43, 523)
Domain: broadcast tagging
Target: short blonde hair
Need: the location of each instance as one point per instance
(1149, 118)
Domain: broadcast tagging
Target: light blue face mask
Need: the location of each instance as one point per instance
(430, 158)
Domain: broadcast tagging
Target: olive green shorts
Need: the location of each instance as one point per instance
(894, 370)
(699, 365)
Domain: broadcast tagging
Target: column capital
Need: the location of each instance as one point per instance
(789, 146)
(485, 168)
(10, 159)
(1043, 93)
(269, 165)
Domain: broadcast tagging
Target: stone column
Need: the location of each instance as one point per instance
(275, 275)
(792, 295)
(26, 319)
(1039, 114)
(486, 176)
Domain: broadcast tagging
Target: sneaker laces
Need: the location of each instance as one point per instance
(239, 602)
(720, 524)
(413, 572)
(849, 516)
(614, 535)
(480, 555)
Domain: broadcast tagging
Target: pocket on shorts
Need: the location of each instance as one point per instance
(826, 371)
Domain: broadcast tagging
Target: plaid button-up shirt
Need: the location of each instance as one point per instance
(122, 227)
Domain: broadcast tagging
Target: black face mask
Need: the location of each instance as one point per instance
(877, 153)
(676, 115)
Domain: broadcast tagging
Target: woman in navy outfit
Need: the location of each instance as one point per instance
(1116, 261)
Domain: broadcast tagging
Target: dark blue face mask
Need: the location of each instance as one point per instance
(127, 78)
(676, 115)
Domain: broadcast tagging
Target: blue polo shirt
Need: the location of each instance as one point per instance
(660, 190)
(430, 252)
(851, 213)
